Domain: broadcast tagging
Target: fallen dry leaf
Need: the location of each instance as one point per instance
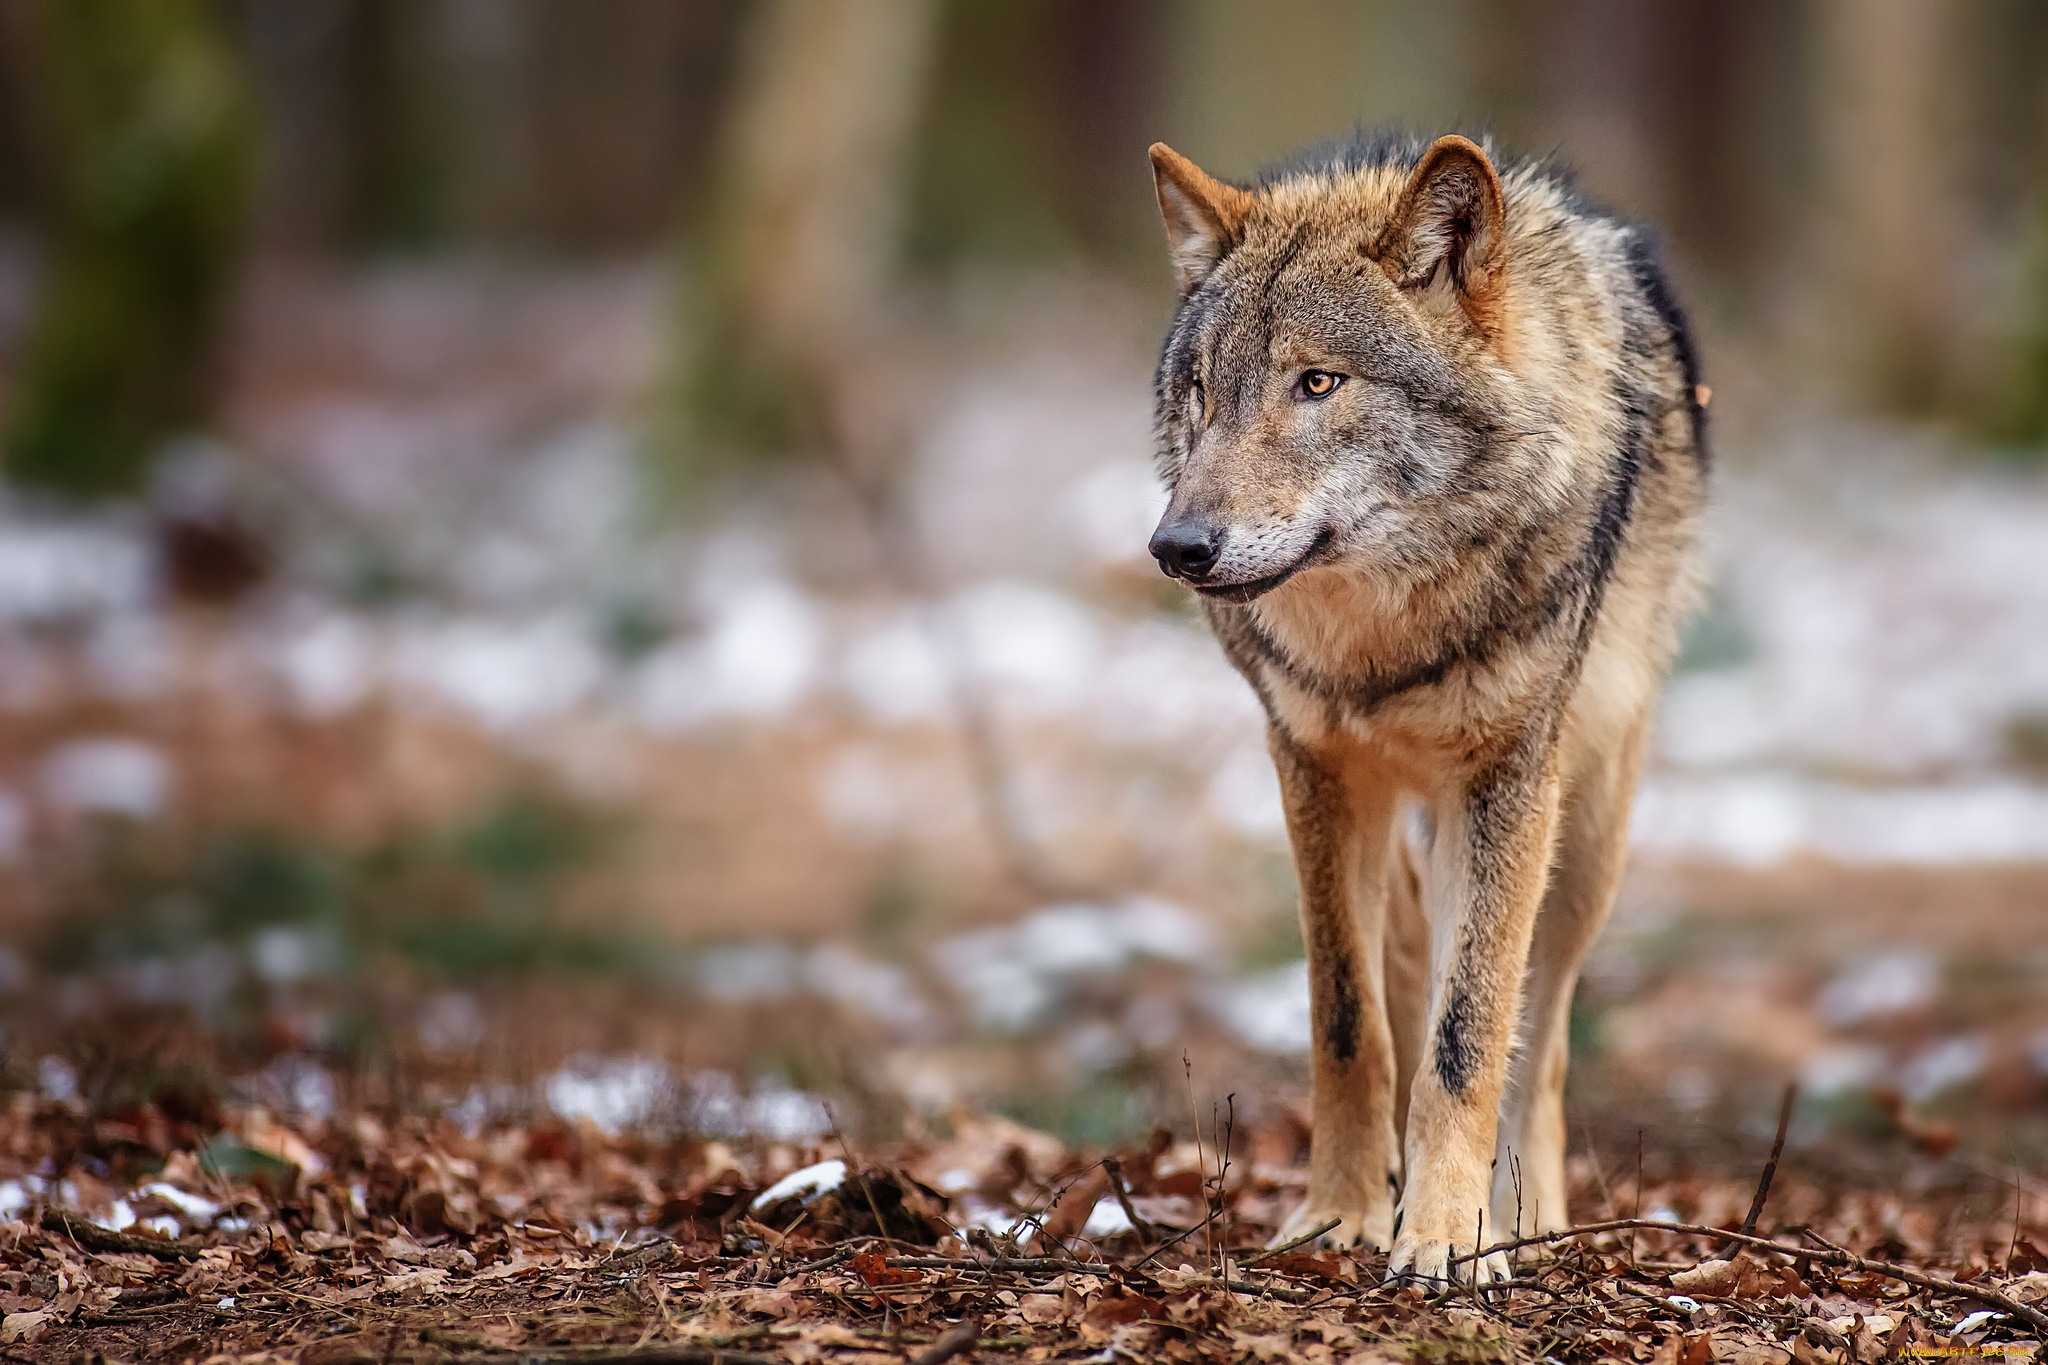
(1708, 1277)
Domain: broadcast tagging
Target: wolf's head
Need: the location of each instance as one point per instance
(1334, 368)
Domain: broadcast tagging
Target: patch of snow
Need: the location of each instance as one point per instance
(1106, 1219)
(773, 1110)
(55, 569)
(328, 663)
(1269, 1010)
(874, 795)
(294, 1085)
(878, 989)
(16, 1195)
(756, 661)
(1166, 682)
(1094, 1046)
(132, 655)
(1840, 1069)
(807, 1184)
(107, 776)
(1245, 794)
(1040, 646)
(895, 673)
(284, 954)
(58, 1080)
(503, 674)
(760, 970)
(1760, 819)
(1943, 1066)
(195, 1209)
(613, 1094)
(1115, 507)
(1893, 983)
(1154, 927)
(1011, 974)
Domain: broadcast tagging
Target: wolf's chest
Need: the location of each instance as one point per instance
(1398, 681)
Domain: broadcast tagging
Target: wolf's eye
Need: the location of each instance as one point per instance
(1317, 383)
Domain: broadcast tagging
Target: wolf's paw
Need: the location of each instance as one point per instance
(1354, 1227)
(1426, 1261)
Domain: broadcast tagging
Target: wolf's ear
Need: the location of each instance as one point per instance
(1204, 216)
(1450, 214)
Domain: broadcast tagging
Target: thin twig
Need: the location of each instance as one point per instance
(1836, 1257)
(1168, 1246)
(2019, 1199)
(1115, 1171)
(1763, 1185)
(675, 1354)
(93, 1237)
(1223, 1181)
(1599, 1176)
(1637, 1212)
(1270, 1252)
(960, 1337)
(881, 1228)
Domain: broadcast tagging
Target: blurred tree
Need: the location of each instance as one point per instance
(415, 125)
(1887, 218)
(1032, 146)
(790, 273)
(143, 136)
(2013, 158)
(2021, 418)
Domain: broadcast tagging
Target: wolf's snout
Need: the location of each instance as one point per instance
(1187, 549)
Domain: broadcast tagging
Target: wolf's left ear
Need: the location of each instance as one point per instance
(1204, 217)
(1450, 214)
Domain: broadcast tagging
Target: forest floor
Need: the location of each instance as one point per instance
(381, 1239)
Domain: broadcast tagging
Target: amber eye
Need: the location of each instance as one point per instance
(1318, 383)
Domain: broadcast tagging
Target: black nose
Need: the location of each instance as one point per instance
(1187, 549)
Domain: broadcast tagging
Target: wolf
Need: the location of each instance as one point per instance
(1433, 431)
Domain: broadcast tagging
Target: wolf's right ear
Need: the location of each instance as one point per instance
(1204, 217)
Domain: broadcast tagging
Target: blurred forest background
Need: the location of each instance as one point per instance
(591, 557)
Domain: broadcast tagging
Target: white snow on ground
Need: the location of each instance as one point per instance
(110, 776)
(1758, 819)
(1010, 976)
(58, 567)
(614, 1093)
(825, 1176)
(1269, 1010)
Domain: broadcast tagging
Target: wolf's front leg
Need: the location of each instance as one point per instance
(1490, 861)
(1339, 817)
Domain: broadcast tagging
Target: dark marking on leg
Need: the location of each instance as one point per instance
(1455, 1063)
(1340, 1029)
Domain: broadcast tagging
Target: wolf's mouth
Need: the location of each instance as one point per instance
(1259, 587)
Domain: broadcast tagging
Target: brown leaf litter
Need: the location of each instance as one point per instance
(390, 1239)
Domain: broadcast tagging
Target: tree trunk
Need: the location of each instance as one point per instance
(145, 137)
(793, 267)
